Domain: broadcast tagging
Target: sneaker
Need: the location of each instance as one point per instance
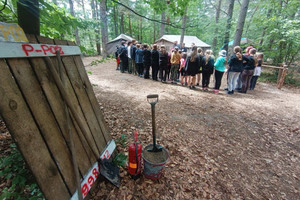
(185, 84)
(230, 92)
(193, 87)
(169, 79)
(190, 87)
(216, 91)
(197, 84)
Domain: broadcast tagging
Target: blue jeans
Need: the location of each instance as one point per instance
(232, 80)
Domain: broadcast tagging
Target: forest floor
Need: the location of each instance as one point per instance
(244, 146)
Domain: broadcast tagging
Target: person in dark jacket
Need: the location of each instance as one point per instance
(248, 70)
(163, 63)
(132, 52)
(235, 68)
(139, 60)
(147, 61)
(154, 62)
(192, 65)
(123, 57)
(207, 69)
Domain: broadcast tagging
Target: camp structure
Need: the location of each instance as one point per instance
(111, 46)
(168, 41)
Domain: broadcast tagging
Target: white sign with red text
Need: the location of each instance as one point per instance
(21, 50)
(92, 175)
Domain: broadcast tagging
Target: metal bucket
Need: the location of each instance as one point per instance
(154, 170)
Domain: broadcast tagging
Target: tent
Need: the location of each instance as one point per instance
(168, 41)
(111, 46)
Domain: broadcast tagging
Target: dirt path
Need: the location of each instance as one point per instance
(244, 146)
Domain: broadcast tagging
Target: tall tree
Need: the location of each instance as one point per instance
(115, 13)
(241, 22)
(228, 26)
(162, 25)
(76, 29)
(104, 27)
(183, 25)
(97, 31)
(218, 10)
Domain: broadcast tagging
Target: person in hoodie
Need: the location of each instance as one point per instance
(154, 62)
(175, 62)
(123, 57)
(139, 60)
(163, 63)
(248, 70)
(235, 68)
(220, 69)
(147, 61)
(207, 69)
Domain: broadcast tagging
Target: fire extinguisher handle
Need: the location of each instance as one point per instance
(135, 136)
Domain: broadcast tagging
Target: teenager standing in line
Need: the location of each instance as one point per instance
(132, 53)
(147, 61)
(123, 57)
(219, 70)
(257, 71)
(200, 54)
(139, 60)
(182, 69)
(154, 62)
(163, 63)
(235, 68)
(175, 61)
(248, 70)
(192, 65)
(207, 69)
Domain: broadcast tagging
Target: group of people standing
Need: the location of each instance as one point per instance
(178, 66)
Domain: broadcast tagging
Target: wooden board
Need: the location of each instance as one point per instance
(23, 128)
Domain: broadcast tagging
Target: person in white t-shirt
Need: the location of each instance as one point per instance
(257, 71)
(129, 58)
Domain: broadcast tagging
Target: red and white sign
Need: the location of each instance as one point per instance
(20, 50)
(92, 175)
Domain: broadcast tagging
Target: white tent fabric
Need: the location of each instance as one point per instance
(122, 36)
(188, 40)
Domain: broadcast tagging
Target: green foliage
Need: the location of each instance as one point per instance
(290, 78)
(121, 160)
(122, 140)
(14, 170)
(96, 62)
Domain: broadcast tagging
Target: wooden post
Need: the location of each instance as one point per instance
(281, 80)
(279, 74)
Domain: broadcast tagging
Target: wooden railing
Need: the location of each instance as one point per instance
(281, 74)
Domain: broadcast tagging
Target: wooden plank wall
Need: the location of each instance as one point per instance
(33, 110)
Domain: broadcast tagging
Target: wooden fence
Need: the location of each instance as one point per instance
(281, 74)
(33, 111)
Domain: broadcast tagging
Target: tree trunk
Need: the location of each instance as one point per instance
(77, 39)
(97, 32)
(115, 21)
(141, 29)
(183, 26)
(240, 23)
(83, 9)
(104, 27)
(122, 23)
(218, 9)
(228, 26)
(162, 26)
(129, 25)
(167, 27)
(29, 16)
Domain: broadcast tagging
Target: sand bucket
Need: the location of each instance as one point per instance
(154, 162)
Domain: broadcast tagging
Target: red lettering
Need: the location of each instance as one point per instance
(95, 173)
(59, 49)
(85, 190)
(45, 48)
(27, 48)
(52, 50)
(91, 181)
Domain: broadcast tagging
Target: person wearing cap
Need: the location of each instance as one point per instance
(219, 70)
(175, 61)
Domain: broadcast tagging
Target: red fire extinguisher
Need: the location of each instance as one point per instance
(134, 158)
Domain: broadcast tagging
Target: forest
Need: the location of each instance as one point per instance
(272, 26)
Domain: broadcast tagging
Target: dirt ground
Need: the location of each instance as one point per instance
(244, 146)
